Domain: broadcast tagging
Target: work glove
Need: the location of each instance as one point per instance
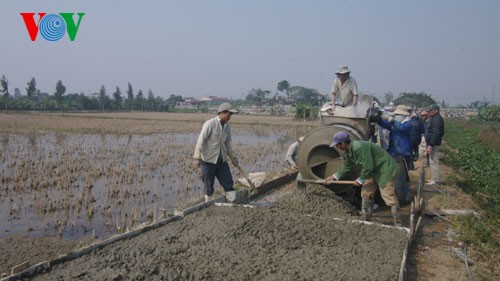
(375, 118)
(388, 118)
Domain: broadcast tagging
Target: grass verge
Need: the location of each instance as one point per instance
(471, 151)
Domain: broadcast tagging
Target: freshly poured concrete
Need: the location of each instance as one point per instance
(296, 238)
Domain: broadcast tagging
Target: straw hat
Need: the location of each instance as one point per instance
(343, 69)
(402, 110)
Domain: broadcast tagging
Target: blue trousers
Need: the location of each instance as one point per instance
(221, 171)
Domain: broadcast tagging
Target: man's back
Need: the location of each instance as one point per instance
(374, 161)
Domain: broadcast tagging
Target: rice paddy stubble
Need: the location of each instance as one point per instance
(69, 184)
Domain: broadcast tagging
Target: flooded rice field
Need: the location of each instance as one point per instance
(72, 182)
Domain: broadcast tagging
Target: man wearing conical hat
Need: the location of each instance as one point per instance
(345, 86)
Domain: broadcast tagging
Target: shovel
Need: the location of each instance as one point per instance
(242, 172)
(323, 182)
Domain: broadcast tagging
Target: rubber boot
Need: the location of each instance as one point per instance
(366, 209)
(208, 198)
(396, 215)
(231, 196)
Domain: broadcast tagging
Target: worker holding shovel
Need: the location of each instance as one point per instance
(212, 151)
(378, 168)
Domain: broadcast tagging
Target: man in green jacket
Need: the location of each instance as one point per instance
(378, 169)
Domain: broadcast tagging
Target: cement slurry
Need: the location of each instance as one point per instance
(293, 239)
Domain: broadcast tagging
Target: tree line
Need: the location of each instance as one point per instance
(305, 101)
(102, 101)
(34, 99)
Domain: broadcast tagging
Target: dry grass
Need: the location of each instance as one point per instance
(133, 123)
(490, 136)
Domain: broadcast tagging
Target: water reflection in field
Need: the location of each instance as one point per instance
(76, 185)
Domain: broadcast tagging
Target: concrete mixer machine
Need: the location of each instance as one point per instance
(316, 159)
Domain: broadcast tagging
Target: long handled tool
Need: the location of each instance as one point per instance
(323, 182)
(242, 172)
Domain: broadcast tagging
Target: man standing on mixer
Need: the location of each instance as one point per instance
(346, 86)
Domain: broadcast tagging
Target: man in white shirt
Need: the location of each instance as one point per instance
(345, 86)
(291, 154)
(212, 150)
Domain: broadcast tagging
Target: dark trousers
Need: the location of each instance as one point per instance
(415, 151)
(221, 171)
(410, 165)
(402, 182)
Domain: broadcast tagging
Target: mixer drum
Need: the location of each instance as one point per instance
(317, 160)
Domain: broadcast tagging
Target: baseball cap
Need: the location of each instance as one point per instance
(339, 137)
(226, 107)
(434, 106)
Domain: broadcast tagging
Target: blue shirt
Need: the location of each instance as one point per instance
(400, 137)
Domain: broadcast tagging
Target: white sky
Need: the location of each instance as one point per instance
(448, 48)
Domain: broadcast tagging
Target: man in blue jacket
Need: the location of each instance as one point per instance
(400, 149)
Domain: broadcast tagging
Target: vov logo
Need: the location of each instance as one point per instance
(52, 27)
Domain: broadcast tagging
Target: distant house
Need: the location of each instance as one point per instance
(210, 102)
(188, 104)
(460, 112)
(213, 102)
